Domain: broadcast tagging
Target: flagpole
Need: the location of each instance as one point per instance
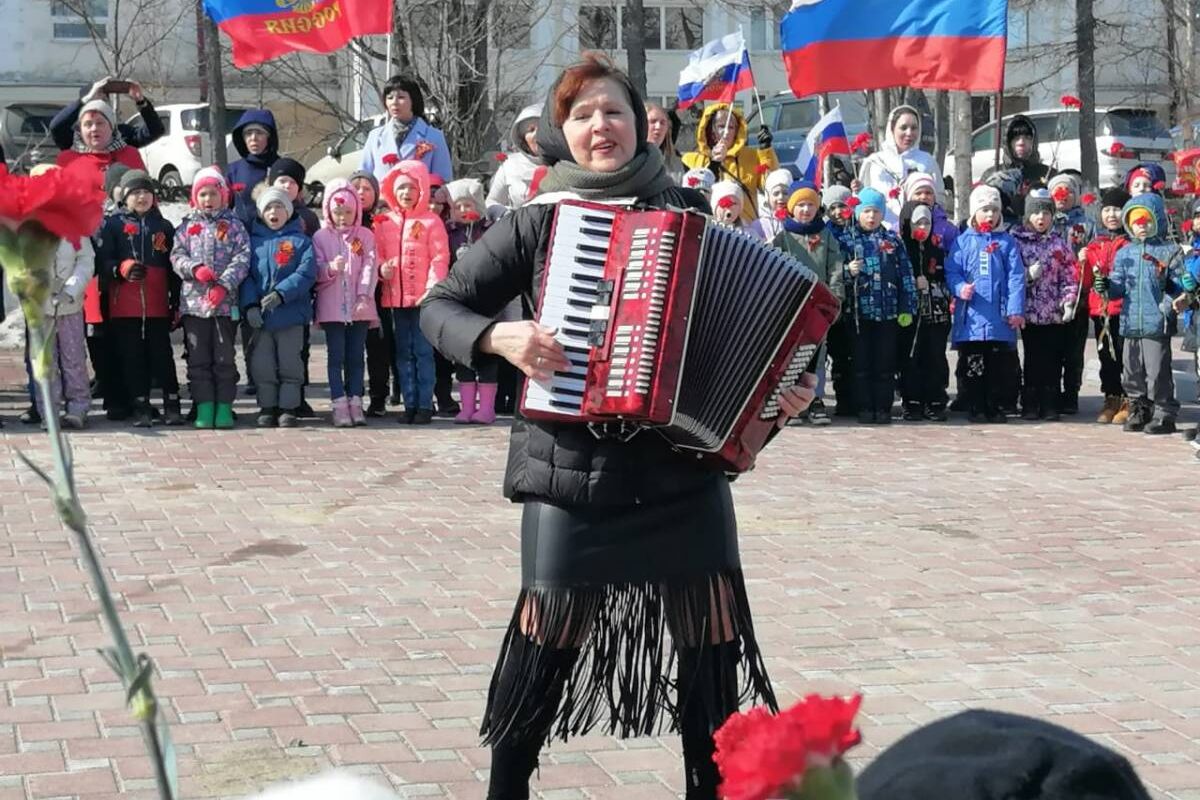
(754, 86)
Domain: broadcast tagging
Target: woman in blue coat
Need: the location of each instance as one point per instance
(987, 279)
(405, 135)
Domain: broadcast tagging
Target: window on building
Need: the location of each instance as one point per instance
(651, 30)
(512, 25)
(764, 25)
(79, 19)
(683, 28)
(598, 27)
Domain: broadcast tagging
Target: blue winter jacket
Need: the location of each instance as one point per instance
(293, 279)
(1075, 227)
(999, 278)
(251, 170)
(1192, 265)
(381, 142)
(1147, 274)
(885, 287)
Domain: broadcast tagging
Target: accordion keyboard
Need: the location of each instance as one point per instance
(579, 249)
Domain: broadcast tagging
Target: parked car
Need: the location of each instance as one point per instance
(25, 135)
(343, 157)
(176, 157)
(1138, 130)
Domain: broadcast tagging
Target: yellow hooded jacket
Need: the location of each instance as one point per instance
(747, 166)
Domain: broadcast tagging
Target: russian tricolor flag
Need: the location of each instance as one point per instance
(827, 138)
(848, 45)
(717, 71)
(266, 29)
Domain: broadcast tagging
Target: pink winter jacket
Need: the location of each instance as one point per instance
(338, 293)
(415, 238)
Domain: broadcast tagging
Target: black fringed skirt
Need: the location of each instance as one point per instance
(636, 595)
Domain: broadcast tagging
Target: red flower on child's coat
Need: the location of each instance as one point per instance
(282, 258)
(1088, 199)
(391, 159)
(781, 213)
(992, 247)
(238, 188)
(725, 202)
(887, 247)
(194, 229)
(132, 228)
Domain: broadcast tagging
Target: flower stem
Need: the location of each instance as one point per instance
(66, 500)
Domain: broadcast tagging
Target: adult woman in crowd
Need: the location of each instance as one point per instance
(721, 149)
(510, 187)
(659, 133)
(624, 540)
(88, 129)
(405, 134)
(899, 156)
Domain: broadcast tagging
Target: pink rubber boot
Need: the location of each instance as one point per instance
(486, 414)
(341, 413)
(357, 418)
(466, 394)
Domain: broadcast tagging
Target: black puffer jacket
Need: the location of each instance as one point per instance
(563, 464)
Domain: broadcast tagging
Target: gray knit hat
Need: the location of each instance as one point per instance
(467, 188)
(271, 195)
(100, 107)
(835, 194)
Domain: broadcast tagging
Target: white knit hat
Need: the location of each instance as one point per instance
(918, 180)
(984, 196)
(777, 177)
(467, 189)
(699, 178)
(725, 189)
(102, 108)
(1064, 179)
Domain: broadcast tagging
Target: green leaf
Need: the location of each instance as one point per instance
(835, 782)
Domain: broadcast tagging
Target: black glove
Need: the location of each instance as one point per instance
(254, 317)
(137, 272)
(764, 137)
(272, 300)
(1100, 284)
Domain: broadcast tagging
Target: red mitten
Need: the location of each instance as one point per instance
(215, 295)
(204, 274)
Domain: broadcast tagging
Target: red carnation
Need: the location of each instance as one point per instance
(1116, 149)
(131, 229)
(1186, 226)
(781, 213)
(1088, 199)
(846, 213)
(1173, 212)
(238, 187)
(339, 200)
(693, 182)
(861, 142)
(501, 158)
(1061, 193)
(194, 229)
(471, 216)
(67, 202)
(853, 202)
(894, 193)
(282, 258)
(763, 169)
(1071, 101)
(725, 202)
(391, 159)
(985, 227)
(1160, 185)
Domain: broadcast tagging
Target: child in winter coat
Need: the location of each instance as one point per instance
(288, 174)
(926, 372)
(276, 299)
(346, 279)
(212, 256)
(443, 369)
(1051, 297)
(1075, 227)
(840, 339)
(381, 354)
(1146, 273)
(142, 290)
(414, 254)
(805, 237)
(1105, 311)
(1146, 179)
(919, 187)
(985, 274)
(73, 268)
(727, 206)
(774, 206)
(879, 284)
(509, 187)
(477, 387)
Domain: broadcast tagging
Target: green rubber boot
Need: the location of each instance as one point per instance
(204, 415)
(224, 418)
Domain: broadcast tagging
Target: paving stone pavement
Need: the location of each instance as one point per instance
(319, 597)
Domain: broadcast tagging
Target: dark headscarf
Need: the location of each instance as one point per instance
(552, 144)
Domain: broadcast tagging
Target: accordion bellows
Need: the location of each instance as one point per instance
(675, 324)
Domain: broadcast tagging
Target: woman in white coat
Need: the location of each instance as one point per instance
(899, 156)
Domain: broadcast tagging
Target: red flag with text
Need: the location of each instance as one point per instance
(264, 29)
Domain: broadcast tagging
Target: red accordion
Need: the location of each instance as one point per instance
(675, 324)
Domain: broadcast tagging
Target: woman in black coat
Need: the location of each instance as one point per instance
(629, 557)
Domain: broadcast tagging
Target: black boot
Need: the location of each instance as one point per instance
(527, 704)
(171, 412)
(142, 413)
(708, 695)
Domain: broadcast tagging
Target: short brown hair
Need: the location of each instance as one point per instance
(593, 66)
